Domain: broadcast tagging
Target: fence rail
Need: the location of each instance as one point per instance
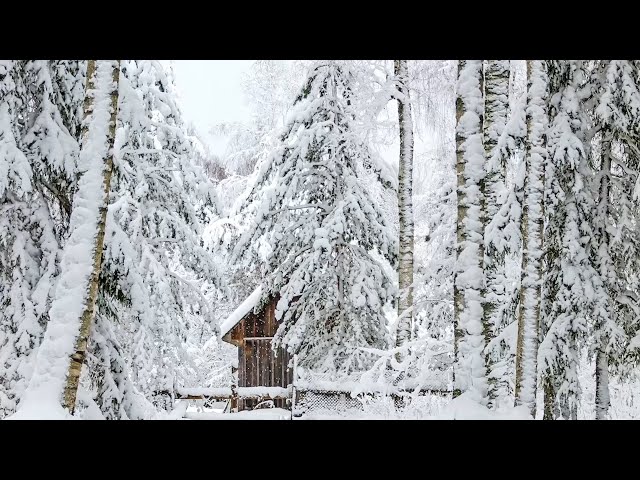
(227, 393)
(306, 399)
(310, 391)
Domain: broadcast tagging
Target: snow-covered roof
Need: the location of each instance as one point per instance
(245, 307)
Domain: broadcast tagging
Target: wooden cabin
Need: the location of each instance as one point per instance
(252, 332)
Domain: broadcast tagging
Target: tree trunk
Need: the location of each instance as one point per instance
(602, 362)
(549, 412)
(531, 227)
(405, 207)
(458, 296)
(602, 385)
(469, 367)
(496, 111)
(77, 358)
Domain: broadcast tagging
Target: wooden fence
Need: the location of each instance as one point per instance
(303, 395)
(305, 399)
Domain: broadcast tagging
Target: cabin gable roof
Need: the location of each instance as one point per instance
(239, 314)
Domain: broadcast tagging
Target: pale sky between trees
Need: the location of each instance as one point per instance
(211, 92)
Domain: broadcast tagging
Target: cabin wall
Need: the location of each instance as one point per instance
(258, 364)
(263, 324)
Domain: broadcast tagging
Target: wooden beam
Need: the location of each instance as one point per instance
(328, 387)
(280, 393)
(245, 393)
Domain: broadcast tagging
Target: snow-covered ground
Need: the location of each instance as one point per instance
(183, 411)
(260, 414)
(462, 408)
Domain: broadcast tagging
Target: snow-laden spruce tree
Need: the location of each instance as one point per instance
(470, 373)
(571, 287)
(21, 315)
(434, 262)
(68, 82)
(40, 156)
(51, 141)
(158, 201)
(269, 89)
(616, 119)
(155, 267)
(435, 256)
(60, 358)
(320, 232)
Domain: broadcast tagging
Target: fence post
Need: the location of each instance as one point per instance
(173, 391)
(234, 389)
(293, 383)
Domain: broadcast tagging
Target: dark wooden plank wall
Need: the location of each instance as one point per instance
(258, 364)
(261, 366)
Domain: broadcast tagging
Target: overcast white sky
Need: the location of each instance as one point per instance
(210, 93)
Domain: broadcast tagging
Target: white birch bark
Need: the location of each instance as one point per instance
(496, 110)
(405, 206)
(602, 386)
(532, 223)
(469, 370)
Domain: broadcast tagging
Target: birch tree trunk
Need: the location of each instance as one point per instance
(405, 206)
(54, 382)
(602, 399)
(461, 213)
(110, 92)
(496, 110)
(531, 226)
(602, 385)
(469, 368)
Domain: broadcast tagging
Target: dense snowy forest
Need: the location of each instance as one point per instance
(381, 239)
